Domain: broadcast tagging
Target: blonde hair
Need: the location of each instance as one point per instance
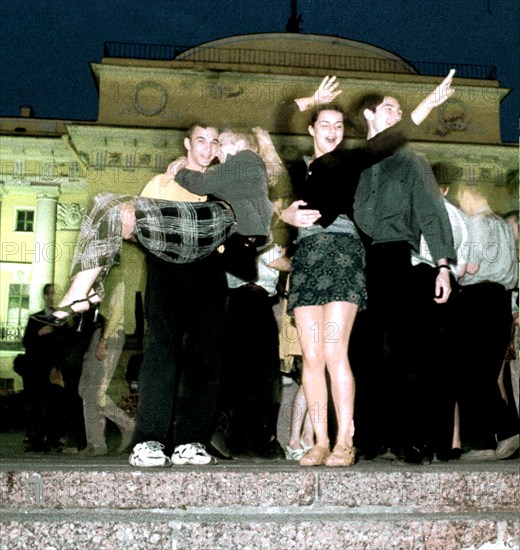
(239, 134)
(259, 141)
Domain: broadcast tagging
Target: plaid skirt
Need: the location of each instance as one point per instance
(178, 232)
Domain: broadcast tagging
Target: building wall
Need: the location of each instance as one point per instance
(145, 107)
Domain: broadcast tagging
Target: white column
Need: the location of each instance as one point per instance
(44, 244)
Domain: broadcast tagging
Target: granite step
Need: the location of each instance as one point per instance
(233, 529)
(72, 502)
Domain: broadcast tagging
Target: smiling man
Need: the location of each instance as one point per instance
(184, 311)
(397, 200)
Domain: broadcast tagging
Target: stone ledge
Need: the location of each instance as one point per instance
(181, 530)
(370, 487)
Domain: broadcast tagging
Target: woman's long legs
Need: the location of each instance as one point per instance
(325, 333)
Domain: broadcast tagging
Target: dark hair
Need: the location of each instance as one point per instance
(315, 113)
(191, 129)
(511, 214)
(47, 288)
(370, 101)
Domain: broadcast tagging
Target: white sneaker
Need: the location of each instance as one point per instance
(192, 453)
(149, 454)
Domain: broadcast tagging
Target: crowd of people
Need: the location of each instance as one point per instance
(389, 284)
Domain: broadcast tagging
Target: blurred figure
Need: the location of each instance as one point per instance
(99, 365)
(512, 220)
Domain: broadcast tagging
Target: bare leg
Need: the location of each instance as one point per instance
(307, 438)
(298, 418)
(339, 319)
(79, 290)
(456, 443)
(309, 320)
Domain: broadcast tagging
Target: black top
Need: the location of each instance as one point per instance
(331, 181)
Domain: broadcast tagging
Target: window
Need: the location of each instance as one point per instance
(18, 309)
(24, 220)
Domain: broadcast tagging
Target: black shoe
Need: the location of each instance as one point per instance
(445, 455)
(219, 446)
(37, 448)
(53, 321)
(420, 454)
(272, 451)
(213, 451)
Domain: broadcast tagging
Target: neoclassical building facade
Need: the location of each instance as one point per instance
(149, 95)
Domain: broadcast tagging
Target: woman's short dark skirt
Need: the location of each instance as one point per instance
(328, 267)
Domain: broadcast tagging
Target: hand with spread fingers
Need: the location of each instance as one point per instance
(327, 91)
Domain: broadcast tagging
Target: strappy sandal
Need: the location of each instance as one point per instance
(95, 304)
(293, 454)
(342, 455)
(94, 294)
(55, 321)
(315, 456)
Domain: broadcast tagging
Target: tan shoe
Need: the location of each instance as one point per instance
(341, 456)
(315, 456)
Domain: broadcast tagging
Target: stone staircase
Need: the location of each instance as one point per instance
(69, 502)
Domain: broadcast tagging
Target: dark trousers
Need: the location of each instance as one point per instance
(397, 354)
(184, 312)
(485, 330)
(251, 384)
(44, 408)
(434, 338)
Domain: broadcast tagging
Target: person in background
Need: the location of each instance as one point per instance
(41, 342)
(99, 365)
(491, 275)
(514, 374)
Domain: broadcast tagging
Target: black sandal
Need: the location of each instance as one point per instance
(53, 321)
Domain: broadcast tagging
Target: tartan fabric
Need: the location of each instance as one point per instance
(178, 232)
(182, 232)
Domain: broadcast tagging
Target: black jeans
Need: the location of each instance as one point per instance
(251, 374)
(184, 312)
(485, 330)
(399, 412)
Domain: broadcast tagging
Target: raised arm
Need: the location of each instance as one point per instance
(436, 98)
(326, 93)
(275, 167)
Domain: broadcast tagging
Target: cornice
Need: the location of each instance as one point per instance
(104, 147)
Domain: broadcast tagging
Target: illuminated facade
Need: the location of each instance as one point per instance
(149, 96)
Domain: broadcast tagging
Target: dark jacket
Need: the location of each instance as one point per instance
(398, 199)
(332, 179)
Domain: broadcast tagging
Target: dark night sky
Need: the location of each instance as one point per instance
(47, 45)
